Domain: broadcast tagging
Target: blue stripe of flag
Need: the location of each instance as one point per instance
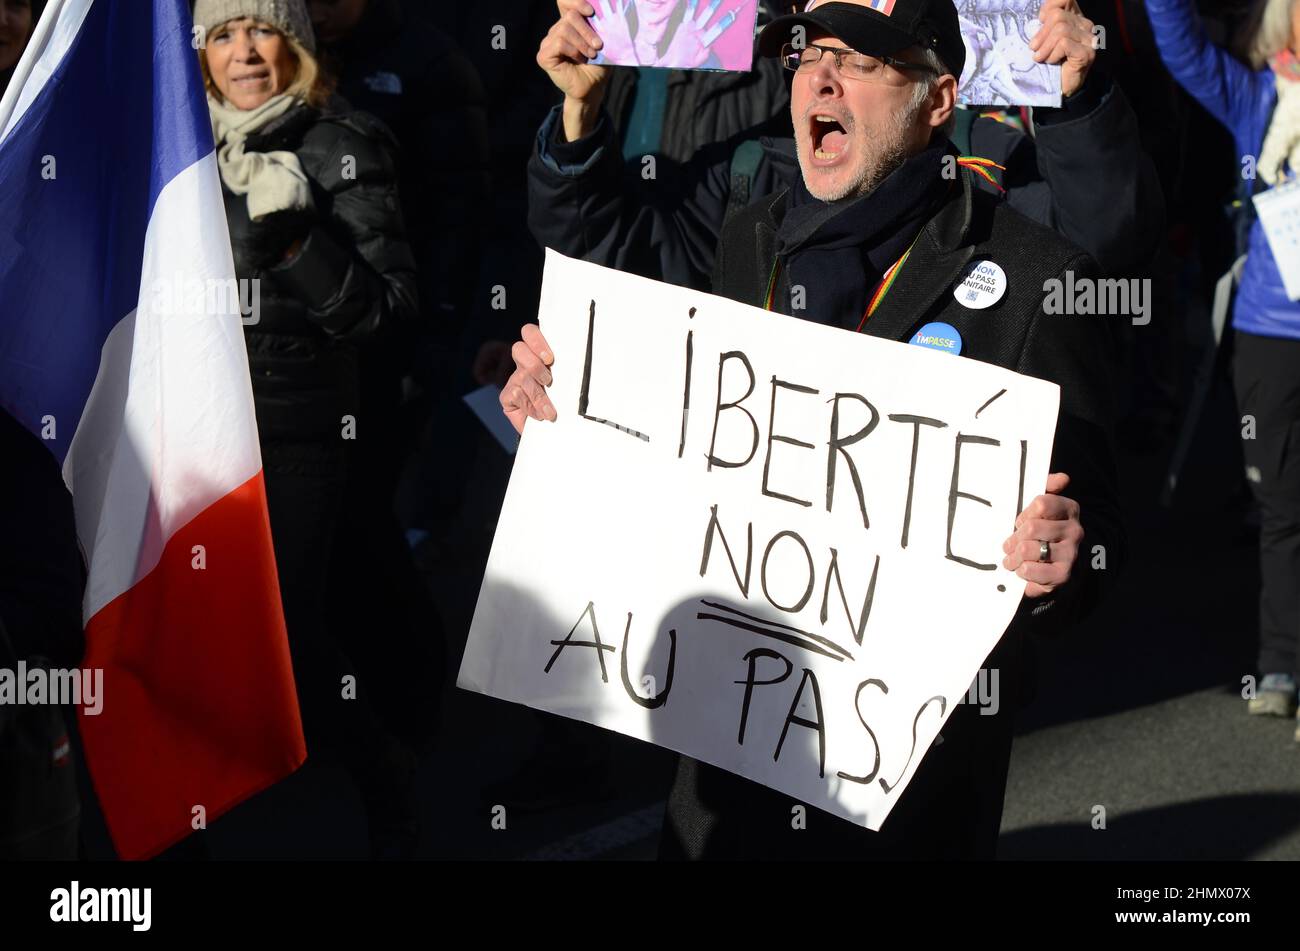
(123, 114)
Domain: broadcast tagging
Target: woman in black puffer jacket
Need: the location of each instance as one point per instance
(311, 201)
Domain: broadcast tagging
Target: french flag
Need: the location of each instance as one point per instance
(112, 230)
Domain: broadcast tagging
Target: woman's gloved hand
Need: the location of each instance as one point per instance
(262, 244)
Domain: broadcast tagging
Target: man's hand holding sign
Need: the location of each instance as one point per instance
(1045, 544)
(524, 394)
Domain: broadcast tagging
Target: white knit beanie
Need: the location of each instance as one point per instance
(287, 16)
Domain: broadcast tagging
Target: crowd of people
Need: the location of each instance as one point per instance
(397, 280)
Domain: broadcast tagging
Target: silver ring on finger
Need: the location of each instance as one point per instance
(1044, 551)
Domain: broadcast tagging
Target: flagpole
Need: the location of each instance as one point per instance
(23, 71)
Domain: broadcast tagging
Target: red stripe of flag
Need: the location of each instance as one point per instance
(199, 706)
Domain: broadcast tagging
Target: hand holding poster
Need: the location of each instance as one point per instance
(718, 35)
(676, 34)
(768, 544)
(1000, 68)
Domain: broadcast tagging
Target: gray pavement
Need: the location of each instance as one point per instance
(1192, 777)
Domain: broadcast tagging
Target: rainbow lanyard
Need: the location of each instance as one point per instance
(981, 166)
(971, 162)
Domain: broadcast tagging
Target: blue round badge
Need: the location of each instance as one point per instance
(938, 336)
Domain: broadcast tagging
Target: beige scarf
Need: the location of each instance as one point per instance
(1282, 141)
(271, 181)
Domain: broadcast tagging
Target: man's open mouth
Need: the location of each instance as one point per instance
(828, 136)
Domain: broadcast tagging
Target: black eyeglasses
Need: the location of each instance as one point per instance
(852, 64)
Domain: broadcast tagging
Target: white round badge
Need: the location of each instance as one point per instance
(982, 285)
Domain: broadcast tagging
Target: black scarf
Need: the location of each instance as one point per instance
(838, 251)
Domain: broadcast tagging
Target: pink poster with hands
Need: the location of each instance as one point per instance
(676, 34)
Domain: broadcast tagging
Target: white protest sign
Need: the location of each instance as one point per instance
(768, 544)
(1279, 216)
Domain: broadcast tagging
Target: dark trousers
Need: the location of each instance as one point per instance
(389, 626)
(305, 492)
(1266, 376)
(39, 805)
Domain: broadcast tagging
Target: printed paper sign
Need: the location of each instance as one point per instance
(1000, 68)
(676, 34)
(771, 545)
(1279, 216)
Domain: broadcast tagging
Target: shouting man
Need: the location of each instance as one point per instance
(879, 230)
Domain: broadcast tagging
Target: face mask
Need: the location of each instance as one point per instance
(1287, 65)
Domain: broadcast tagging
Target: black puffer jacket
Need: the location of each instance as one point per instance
(352, 283)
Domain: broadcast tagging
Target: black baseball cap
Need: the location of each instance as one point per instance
(882, 29)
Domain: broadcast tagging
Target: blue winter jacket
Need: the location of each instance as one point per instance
(1243, 100)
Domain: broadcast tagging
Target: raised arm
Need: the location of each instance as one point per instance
(1105, 193)
(584, 202)
(1226, 87)
(1085, 173)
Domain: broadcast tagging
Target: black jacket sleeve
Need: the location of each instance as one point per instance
(1077, 353)
(1085, 175)
(354, 271)
(41, 572)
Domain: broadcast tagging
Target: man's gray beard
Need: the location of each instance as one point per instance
(891, 155)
